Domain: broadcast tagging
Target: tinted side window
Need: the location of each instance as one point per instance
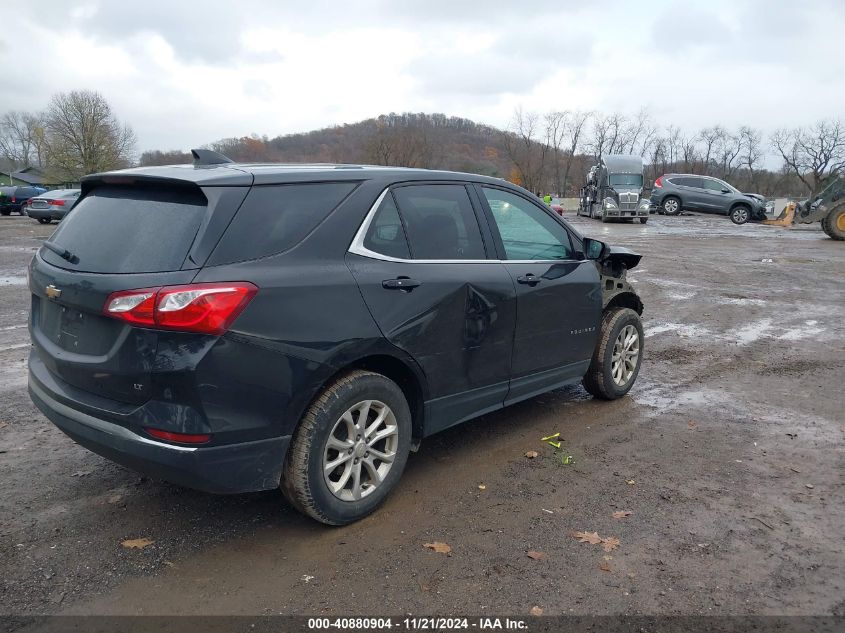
(527, 231)
(386, 235)
(712, 185)
(440, 222)
(686, 181)
(275, 218)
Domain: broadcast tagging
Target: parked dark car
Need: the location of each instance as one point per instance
(673, 193)
(52, 205)
(240, 327)
(15, 198)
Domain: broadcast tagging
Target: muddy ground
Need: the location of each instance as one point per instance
(728, 453)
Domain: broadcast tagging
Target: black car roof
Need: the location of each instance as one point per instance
(244, 174)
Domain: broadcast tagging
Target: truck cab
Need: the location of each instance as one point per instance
(614, 190)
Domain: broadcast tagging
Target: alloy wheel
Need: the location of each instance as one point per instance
(626, 354)
(360, 450)
(671, 206)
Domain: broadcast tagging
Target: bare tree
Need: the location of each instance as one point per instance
(556, 124)
(709, 138)
(750, 142)
(22, 139)
(85, 136)
(525, 149)
(812, 154)
(689, 152)
(728, 148)
(400, 145)
(574, 130)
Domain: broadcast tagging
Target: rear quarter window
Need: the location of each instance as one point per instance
(275, 218)
(130, 230)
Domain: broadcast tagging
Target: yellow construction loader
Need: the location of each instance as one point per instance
(828, 207)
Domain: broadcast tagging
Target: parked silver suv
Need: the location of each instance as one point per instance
(673, 193)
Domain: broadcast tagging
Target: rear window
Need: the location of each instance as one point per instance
(275, 218)
(130, 230)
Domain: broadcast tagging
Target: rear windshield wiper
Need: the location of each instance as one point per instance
(61, 252)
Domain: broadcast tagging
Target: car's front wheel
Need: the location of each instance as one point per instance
(618, 355)
(349, 450)
(643, 220)
(740, 214)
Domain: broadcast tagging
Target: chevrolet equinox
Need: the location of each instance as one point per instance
(235, 328)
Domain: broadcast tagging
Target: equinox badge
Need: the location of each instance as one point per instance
(53, 292)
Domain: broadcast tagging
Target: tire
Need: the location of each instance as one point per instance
(599, 379)
(834, 224)
(44, 220)
(739, 214)
(643, 220)
(303, 482)
(5, 212)
(671, 206)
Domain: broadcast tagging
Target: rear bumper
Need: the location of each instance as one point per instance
(40, 214)
(231, 468)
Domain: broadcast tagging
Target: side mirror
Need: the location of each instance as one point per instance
(594, 249)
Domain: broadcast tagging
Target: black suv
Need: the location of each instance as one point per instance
(674, 192)
(13, 199)
(240, 327)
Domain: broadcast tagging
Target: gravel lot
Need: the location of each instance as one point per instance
(728, 453)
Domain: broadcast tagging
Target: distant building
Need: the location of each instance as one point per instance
(32, 176)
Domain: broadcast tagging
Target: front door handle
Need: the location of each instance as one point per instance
(400, 283)
(530, 279)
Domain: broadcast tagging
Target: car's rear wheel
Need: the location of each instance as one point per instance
(671, 206)
(349, 450)
(44, 220)
(643, 220)
(618, 355)
(740, 214)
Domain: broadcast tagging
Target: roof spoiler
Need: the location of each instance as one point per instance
(204, 157)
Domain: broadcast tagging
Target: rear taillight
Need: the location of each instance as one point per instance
(205, 308)
(57, 203)
(14, 200)
(182, 438)
(658, 183)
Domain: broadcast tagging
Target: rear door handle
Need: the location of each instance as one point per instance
(400, 283)
(530, 279)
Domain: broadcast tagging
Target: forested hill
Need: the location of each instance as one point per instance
(411, 140)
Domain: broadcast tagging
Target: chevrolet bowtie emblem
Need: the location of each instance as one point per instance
(52, 292)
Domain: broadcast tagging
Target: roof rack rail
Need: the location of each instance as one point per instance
(209, 157)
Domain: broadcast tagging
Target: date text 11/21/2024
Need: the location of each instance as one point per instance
(417, 624)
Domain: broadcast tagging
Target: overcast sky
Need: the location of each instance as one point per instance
(185, 73)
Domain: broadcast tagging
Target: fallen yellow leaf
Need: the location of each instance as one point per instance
(137, 543)
(536, 555)
(440, 548)
(587, 537)
(610, 543)
(536, 611)
(630, 482)
(621, 514)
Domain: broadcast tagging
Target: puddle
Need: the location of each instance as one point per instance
(753, 331)
(15, 280)
(681, 329)
(742, 301)
(680, 296)
(807, 330)
(664, 399)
